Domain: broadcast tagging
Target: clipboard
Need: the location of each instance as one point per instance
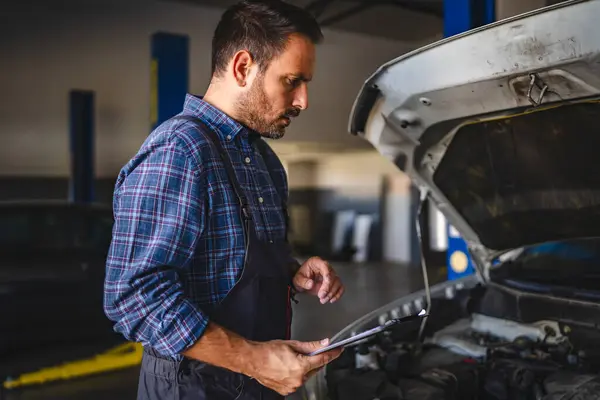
(370, 332)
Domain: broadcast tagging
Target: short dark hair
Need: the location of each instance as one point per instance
(262, 27)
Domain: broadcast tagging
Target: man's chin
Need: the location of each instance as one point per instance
(274, 134)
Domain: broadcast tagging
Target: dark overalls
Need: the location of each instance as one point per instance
(257, 308)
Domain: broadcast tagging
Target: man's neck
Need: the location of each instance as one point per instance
(215, 97)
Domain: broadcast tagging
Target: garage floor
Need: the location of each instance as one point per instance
(368, 286)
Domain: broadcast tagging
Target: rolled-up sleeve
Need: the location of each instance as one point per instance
(159, 216)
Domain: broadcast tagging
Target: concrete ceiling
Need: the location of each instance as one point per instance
(403, 20)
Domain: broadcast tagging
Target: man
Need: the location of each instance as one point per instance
(199, 270)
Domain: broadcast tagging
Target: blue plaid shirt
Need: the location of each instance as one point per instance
(178, 242)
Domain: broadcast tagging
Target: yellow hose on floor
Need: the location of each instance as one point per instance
(123, 356)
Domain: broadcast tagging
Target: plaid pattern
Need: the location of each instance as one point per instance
(178, 242)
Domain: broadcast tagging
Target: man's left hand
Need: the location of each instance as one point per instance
(316, 277)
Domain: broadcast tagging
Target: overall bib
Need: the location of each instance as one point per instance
(257, 308)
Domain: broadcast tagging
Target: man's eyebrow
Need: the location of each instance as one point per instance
(301, 77)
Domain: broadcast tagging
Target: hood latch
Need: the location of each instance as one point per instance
(536, 83)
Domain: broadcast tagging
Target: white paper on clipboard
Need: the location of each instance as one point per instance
(368, 333)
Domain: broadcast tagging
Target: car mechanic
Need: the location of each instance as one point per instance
(199, 269)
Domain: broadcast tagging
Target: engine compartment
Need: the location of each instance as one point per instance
(467, 352)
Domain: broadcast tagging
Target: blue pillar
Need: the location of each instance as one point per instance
(81, 137)
(461, 16)
(169, 76)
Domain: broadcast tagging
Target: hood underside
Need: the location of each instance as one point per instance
(500, 126)
(527, 179)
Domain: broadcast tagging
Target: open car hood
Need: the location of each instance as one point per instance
(499, 126)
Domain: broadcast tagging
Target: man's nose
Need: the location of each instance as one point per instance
(301, 97)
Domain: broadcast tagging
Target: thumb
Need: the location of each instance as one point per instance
(322, 359)
(303, 282)
(308, 347)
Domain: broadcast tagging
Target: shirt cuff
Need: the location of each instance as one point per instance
(183, 330)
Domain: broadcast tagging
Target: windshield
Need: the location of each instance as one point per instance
(527, 179)
(53, 228)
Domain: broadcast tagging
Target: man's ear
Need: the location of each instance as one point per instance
(242, 64)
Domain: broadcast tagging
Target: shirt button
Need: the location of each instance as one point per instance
(260, 200)
(228, 137)
(247, 160)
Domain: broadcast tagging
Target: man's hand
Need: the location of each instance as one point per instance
(316, 277)
(280, 365)
(284, 367)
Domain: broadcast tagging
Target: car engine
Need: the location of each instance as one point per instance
(474, 356)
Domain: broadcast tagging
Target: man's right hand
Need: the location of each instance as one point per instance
(283, 365)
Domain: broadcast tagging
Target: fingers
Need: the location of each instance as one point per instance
(327, 275)
(308, 347)
(322, 359)
(287, 367)
(337, 291)
(303, 282)
(318, 277)
(313, 362)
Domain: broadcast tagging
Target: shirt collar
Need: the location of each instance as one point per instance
(222, 123)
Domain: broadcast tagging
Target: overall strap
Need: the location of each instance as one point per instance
(212, 136)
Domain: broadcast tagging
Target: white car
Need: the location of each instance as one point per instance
(500, 128)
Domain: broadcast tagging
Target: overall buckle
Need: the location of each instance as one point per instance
(245, 208)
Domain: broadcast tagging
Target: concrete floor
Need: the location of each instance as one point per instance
(368, 286)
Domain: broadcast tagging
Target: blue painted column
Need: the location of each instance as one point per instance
(169, 76)
(81, 138)
(461, 16)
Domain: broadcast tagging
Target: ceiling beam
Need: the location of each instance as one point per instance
(411, 5)
(419, 6)
(347, 13)
(317, 7)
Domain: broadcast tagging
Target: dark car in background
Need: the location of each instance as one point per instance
(52, 263)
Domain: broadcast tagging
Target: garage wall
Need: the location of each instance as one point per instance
(48, 48)
(363, 182)
(356, 173)
(509, 8)
(356, 181)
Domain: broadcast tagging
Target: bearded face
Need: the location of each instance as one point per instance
(279, 90)
(264, 113)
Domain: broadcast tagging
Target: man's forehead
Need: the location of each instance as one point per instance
(297, 60)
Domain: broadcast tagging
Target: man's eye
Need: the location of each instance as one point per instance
(293, 82)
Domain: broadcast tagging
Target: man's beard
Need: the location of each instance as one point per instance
(252, 109)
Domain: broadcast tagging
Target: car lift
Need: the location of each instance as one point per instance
(124, 356)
